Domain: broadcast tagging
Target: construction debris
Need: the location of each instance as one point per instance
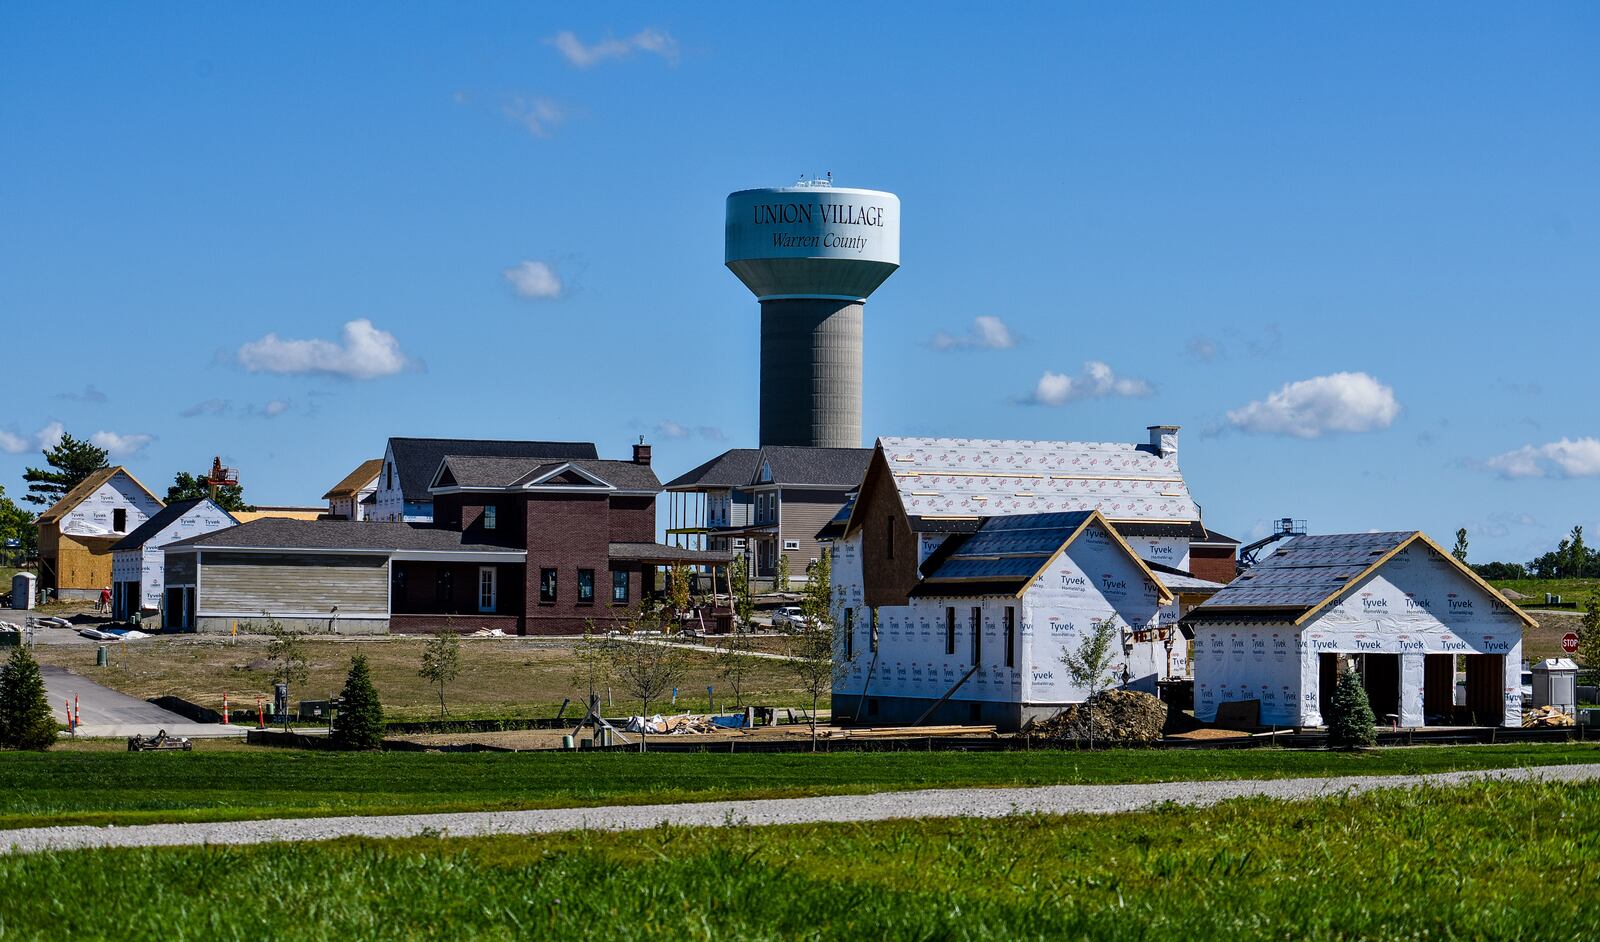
(1108, 716)
(488, 633)
(1546, 717)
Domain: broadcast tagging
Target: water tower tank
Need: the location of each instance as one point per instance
(811, 254)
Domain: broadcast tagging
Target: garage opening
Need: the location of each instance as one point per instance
(1485, 677)
(1439, 688)
(1380, 674)
(1327, 679)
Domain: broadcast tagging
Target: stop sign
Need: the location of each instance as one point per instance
(1569, 642)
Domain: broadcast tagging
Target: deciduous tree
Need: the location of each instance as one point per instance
(1089, 667)
(441, 662)
(186, 486)
(648, 668)
(811, 640)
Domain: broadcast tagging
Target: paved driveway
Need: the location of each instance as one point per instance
(106, 712)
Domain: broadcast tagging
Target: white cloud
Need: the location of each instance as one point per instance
(120, 446)
(364, 353)
(1567, 458)
(1097, 382)
(987, 333)
(670, 429)
(1310, 408)
(583, 55)
(533, 280)
(46, 438)
(271, 409)
(538, 116)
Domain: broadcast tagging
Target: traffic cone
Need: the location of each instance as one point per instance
(225, 719)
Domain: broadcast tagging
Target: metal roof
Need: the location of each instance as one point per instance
(987, 477)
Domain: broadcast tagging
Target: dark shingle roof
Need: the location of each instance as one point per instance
(1003, 555)
(144, 531)
(835, 467)
(733, 468)
(1301, 574)
(478, 471)
(285, 534)
(416, 459)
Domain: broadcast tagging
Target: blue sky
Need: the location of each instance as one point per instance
(1351, 249)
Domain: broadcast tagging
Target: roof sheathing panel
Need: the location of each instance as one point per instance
(989, 477)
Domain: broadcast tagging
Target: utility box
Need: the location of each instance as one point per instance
(280, 699)
(23, 587)
(1555, 683)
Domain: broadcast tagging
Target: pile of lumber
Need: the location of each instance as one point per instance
(1546, 717)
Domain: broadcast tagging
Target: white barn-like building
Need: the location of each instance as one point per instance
(1394, 605)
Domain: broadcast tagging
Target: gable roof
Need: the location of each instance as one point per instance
(473, 472)
(279, 533)
(970, 477)
(815, 467)
(87, 486)
(735, 467)
(416, 459)
(146, 531)
(1007, 553)
(1307, 574)
(365, 473)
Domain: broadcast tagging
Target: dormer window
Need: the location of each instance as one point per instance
(488, 517)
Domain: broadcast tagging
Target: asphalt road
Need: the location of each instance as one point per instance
(105, 712)
(931, 803)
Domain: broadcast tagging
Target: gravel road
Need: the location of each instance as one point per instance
(931, 803)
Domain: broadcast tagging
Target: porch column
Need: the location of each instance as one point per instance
(1411, 675)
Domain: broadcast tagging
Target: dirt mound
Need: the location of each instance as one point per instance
(1124, 716)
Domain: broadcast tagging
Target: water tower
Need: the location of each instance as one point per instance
(812, 253)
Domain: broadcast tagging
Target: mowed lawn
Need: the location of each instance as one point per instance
(103, 787)
(500, 677)
(1486, 860)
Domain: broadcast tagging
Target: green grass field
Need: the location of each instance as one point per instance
(1488, 860)
(122, 788)
(1570, 590)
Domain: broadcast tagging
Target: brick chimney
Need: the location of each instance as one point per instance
(641, 453)
(1164, 439)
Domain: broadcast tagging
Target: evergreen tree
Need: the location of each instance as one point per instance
(72, 460)
(1351, 724)
(1577, 556)
(186, 486)
(1460, 552)
(25, 720)
(359, 723)
(1589, 634)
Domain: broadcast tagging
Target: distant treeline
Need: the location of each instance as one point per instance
(1571, 559)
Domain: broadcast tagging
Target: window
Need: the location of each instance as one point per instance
(444, 589)
(977, 635)
(619, 586)
(389, 474)
(1011, 636)
(586, 585)
(888, 537)
(119, 520)
(486, 589)
(547, 585)
(488, 517)
(950, 630)
(872, 629)
(849, 634)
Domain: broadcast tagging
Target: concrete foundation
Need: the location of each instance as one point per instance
(207, 624)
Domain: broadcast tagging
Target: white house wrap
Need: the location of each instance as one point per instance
(1394, 605)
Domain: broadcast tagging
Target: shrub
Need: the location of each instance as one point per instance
(1351, 724)
(1114, 716)
(25, 720)
(359, 724)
